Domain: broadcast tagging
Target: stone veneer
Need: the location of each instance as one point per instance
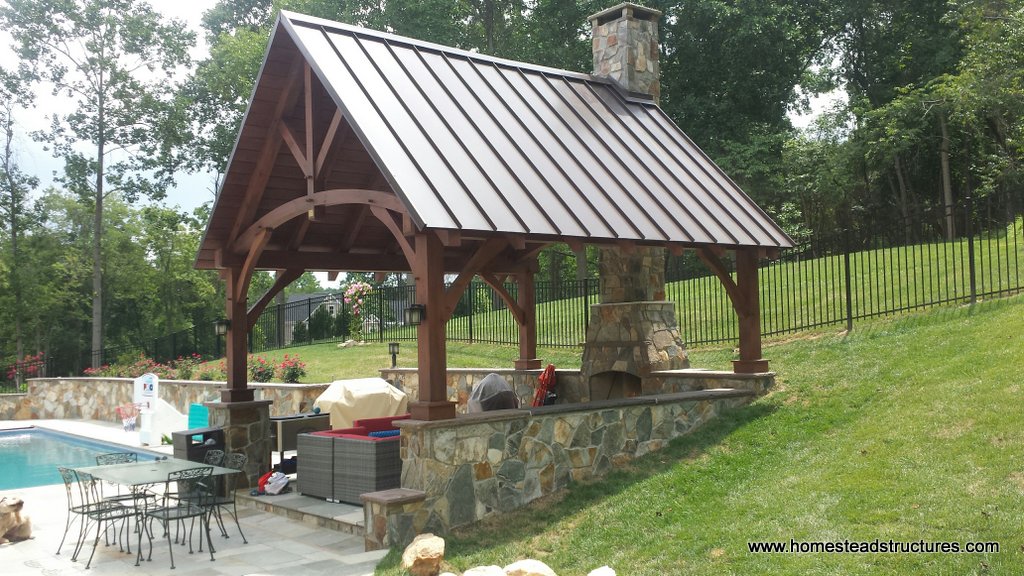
(96, 398)
(625, 47)
(479, 465)
(246, 429)
(637, 338)
(569, 383)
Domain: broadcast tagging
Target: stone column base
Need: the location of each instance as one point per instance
(246, 429)
(391, 517)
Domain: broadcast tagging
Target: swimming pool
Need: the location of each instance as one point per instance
(29, 456)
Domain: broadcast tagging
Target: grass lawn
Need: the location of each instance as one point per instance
(907, 429)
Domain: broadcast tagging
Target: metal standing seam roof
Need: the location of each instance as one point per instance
(475, 143)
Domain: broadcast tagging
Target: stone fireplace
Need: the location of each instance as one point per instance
(626, 342)
(633, 331)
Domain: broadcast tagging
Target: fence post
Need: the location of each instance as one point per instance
(586, 305)
(472, 309)
(848, 278)
(970, 249)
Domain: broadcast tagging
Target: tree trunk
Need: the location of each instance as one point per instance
(97, 244)
(904, 197)
(581, 263)
(12, 212)
(947, 183)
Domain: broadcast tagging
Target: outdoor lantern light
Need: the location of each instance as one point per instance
(221, 326)
(415, 314)
(393, 350)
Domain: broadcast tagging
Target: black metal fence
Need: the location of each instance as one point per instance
(828, 280)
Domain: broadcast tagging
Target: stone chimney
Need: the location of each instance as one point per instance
(633, 333)
(626, 47)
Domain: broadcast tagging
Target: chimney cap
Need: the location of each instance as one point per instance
(624, 10)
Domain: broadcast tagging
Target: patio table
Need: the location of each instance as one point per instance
(147, 472)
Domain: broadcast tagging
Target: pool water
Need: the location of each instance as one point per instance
(29, 457)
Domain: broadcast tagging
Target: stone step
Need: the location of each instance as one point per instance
(336, 516)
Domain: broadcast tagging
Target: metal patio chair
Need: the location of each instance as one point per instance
(194, 490)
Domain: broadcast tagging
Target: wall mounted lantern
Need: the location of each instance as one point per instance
(221, 326)
(415, 314)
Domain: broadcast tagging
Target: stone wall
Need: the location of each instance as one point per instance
(484, 464)
(570, 386)
(96, 398)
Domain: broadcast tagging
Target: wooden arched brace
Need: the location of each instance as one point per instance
(718, 267)
(284, 278)
(384, 216)
(513, 306)
(484, 254)
(301, 205)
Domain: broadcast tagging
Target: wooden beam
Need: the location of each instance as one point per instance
(237, 389)
(748, 308)
(332, 275)
(449, 238)
(276, 259)
(484, 254)
(249, 267)
(433, 403)
(284, 278)
(303, 204)
(715, 264)
(293, 147)
(355, 229)
(327, 145)
(499, 287)
(268, 154)
(310, 159)
(385, 217)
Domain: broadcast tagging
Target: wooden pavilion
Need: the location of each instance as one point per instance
(363, 151)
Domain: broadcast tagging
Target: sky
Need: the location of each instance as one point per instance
(190, 191)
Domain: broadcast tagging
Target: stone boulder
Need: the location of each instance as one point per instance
(484, 571)
(602, 571)
(423, 556)
(529, 568)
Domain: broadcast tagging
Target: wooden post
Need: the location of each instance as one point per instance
(428, 269)
(748, 309)
(527, 300)
(237, 339)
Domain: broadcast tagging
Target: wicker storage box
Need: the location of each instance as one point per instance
(316, 466)
(362, 466)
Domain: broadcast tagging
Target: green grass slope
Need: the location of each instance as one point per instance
(907, 429)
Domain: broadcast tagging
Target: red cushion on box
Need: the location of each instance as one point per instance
(378, 424)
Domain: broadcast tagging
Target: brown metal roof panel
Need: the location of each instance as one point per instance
(676, 165)
(522, 162)
(386, 149)
(489, 147)
(621, 141)
(598, 211)
(749, 216)
(435, 113)
(598, 136)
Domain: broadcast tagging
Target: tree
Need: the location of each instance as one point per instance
(15, 186)
(112, 60)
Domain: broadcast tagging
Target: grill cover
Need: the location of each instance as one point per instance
(492, 393)
(349, 400)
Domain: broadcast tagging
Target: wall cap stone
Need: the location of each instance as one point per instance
(525, 413)
(712, 374)
(237, 405)
(394, 496)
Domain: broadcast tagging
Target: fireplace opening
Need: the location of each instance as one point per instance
(614, 385)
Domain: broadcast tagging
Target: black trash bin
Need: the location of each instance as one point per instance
(195, 443)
